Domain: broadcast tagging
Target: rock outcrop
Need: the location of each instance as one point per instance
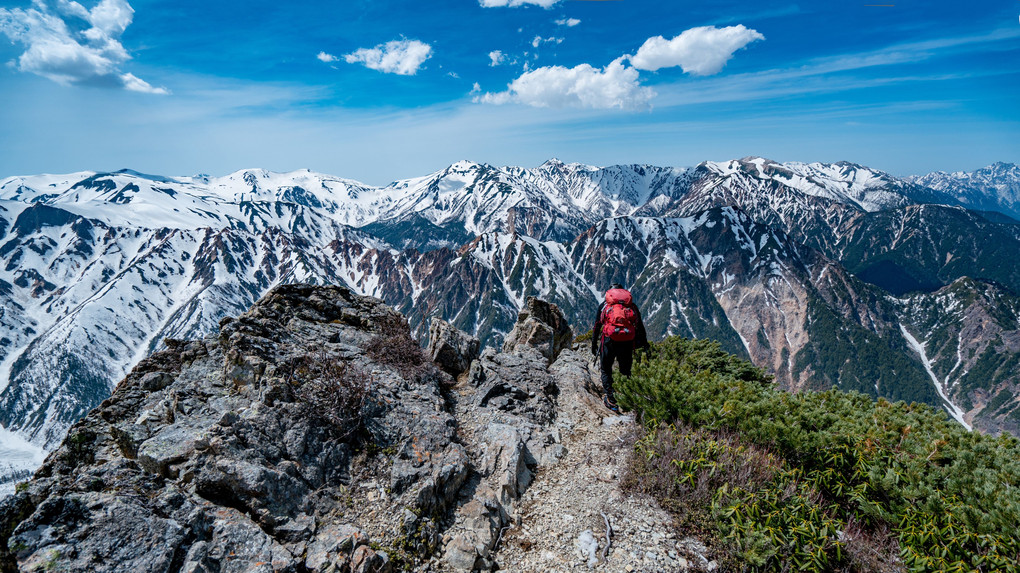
(452, 349)
(540, 325)
(313, 434)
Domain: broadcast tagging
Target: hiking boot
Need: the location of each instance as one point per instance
(610, 404)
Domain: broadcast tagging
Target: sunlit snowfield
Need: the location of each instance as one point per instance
(18, 458)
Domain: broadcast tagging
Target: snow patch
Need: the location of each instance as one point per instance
(953, 409)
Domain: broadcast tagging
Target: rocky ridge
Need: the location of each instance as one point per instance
(312, 434)
(791, 265)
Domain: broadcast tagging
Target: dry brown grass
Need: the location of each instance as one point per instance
(393, 346)
(334, 390)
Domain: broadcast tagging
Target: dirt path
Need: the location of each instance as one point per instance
(579, 492)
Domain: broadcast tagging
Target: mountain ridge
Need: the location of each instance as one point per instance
(97, 271)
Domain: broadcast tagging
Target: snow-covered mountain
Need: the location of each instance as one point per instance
(993, 188)
(97, 269)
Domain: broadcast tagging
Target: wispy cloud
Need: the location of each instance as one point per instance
(539, 40)
(841, 74)
(402, 57)
(583, 86)
(568, 22)
(757, 16)
(701, 51)
(70, 44)
(516, 3)
(327, 58)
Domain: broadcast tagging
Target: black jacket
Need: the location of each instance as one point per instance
(640, 337)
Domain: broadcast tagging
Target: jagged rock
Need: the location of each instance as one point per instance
(540, 325)
(330, 542)
(173, 444)
(229, 465)
(505, 458)
(452, 349)
(517, 384)
(366, 560)
(510, 401)
(461, 553)
(156, 381)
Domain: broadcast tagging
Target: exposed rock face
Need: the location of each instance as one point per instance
(540, 325)
(209, 456)
(452, 349)
(312, 434)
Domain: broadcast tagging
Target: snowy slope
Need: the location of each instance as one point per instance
(993, 188)
(96, 269)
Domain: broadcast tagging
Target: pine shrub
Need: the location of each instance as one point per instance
(855, 477)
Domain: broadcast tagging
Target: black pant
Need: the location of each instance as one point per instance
(612, 350)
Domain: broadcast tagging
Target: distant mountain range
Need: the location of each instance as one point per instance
(827, 274)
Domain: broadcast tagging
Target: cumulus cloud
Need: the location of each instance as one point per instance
(516, 3)
(699, 51)
(497, 57)
(327, 58)
(615, 86)
(70, 44)
(403, 57)
(568, 22)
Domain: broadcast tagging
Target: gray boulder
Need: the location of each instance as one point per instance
(452, 349)
(540, 325)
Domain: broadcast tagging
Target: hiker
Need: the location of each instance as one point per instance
(617, 332)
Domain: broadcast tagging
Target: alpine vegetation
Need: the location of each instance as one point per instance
(817, 481)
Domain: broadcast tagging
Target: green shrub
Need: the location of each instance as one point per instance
(79, 448)
(949, 497)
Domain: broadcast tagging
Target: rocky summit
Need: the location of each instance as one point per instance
(312, 433)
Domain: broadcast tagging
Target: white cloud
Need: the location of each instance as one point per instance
(135, 84)
(539, 40)
(59, 47)
(516, 3)
(327, 58)
(568, 22)
(497, 57)
(699, 51)
(403, 57)
(583, 86)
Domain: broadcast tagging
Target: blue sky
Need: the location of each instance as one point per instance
(384, 89)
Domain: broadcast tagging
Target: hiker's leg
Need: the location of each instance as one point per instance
(606, 367)
(626, 358)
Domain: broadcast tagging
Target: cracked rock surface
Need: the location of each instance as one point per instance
(220, 455)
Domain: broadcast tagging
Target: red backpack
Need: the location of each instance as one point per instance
(619, 321)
